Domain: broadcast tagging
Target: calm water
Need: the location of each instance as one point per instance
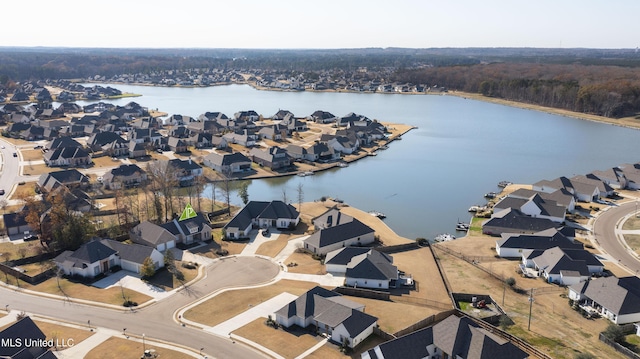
(427, 181)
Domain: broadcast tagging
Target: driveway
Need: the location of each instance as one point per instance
(132, 281)
(262, 310)
(256, 239)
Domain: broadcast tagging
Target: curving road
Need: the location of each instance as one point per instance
(604, 229)
(157, 321)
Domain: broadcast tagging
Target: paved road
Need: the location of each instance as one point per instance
(604, 228)
(156, 321)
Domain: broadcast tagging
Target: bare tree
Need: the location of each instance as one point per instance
(164, 180)
(300, 197)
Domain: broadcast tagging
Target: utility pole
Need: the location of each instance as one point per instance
(530, 307)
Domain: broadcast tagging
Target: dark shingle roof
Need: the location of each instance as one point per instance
(27, 332)
(338, 234)
(135, 253)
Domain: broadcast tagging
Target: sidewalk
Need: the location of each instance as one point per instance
(257, 239)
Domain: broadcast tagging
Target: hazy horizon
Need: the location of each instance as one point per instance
(330, 24)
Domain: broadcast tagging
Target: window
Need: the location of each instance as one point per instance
(96, 270)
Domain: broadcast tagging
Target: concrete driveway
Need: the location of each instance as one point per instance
(262, 310)
(132, 281)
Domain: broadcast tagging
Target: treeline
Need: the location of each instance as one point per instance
(611, 91)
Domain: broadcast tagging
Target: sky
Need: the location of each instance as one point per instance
(326, 24)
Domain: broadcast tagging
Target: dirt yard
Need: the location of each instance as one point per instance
(556, 329)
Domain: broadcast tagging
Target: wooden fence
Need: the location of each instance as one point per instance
(619, 348)
(363, 293)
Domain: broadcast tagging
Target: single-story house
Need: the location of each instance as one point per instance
(98, 256)
(124, 176)
(617, 299)
(342, 319)
(563, 266)
(453, 337)
(513, 221)
(228, 163)
(354, 233)
(363, 267)
(153, 235)
(511, 245)
(67, 156)
(190, 227)
(258, 214)
(70, 178)
(534, 206)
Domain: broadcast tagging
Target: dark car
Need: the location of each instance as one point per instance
(15, 154)
(30, 237)
(1, 192)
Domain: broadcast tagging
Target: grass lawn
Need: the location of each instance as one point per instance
(168, 281)
(632, 342)
(394, 316)
(63, 332)
(305, 264)
(227, 305)
(422, 266)
(633, 241)
(26, 190)
(38, 169)
(120, 348)
(287, 343)
(105, 161)
(17, 250)
(330, 351)
(631, 223)
(556, 329)
(81, 291)
(32, 155)
(272, 248)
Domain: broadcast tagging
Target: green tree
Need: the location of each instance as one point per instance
(243, 191)
(614, 332)
(510, 281)
(148, 269)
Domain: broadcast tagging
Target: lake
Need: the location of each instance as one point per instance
(425, 183)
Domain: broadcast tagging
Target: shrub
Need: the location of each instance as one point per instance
(614, 332)
(510, 281)
(584, 356)
(189, 265)
(129, 303)
(179, 276)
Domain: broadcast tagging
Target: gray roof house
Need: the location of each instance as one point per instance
(534, 206)
(330, 313)
(69, 178)
(562, 266)
(190, 229)
(363, 267)
(124, 176)
(229, 163)
(511, 245)
(332, 217)
(562, 197)
(617, 299)
(261, 214)
(153, 235)
(513, 221)
(353, 233)
(453, 337)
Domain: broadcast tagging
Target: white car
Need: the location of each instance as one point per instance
(2, 147)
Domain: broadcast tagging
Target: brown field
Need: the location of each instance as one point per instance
(388, 313)
(633, 241)
(421, 265)
(63, 332)
(556, 329)
(631, 223)
(288, 343)
(24, 190)
(37, 169)
(387, 235)
(120, 348)
(272, 248)
(17, 250)
(81, 291)
(227, 305)
(105, 161)
(31, 155)
(305, 264)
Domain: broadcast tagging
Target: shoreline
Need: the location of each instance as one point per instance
(627, 122)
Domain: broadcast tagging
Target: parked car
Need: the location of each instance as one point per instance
(30, 237)
(1, 192)
(15, 154)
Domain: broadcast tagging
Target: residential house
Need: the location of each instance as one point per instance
(69, 178)
(89, 261)
(562, 266)
(228, 163)
(561, 196)
(273, 158)
(177, 145)
(353, 233)
(363, 267)
(273, 133)
(614, 177)
(136, 149)
(125, 176)
(617, 299)
(512, 245)
(203, 140)
(583, 192)
(259, 214)
(244, 138)
(631, 173)
(249, 115)
(314, 153)
(604, 188)
(343, 320)
(16, 223)
(100, 256)
(190, 227)
(186, 171)
(24, 340)
(513, 221)
(330, 218)
(67, 156)
(322, 117)
(341, 144)
(110, 143)
(453, 337)
(153, 235)
(535, 206)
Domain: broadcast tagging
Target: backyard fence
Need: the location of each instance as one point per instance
(619, 348)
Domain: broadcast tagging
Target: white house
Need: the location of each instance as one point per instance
(258, 214)
(353, 233)
(617, 299)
